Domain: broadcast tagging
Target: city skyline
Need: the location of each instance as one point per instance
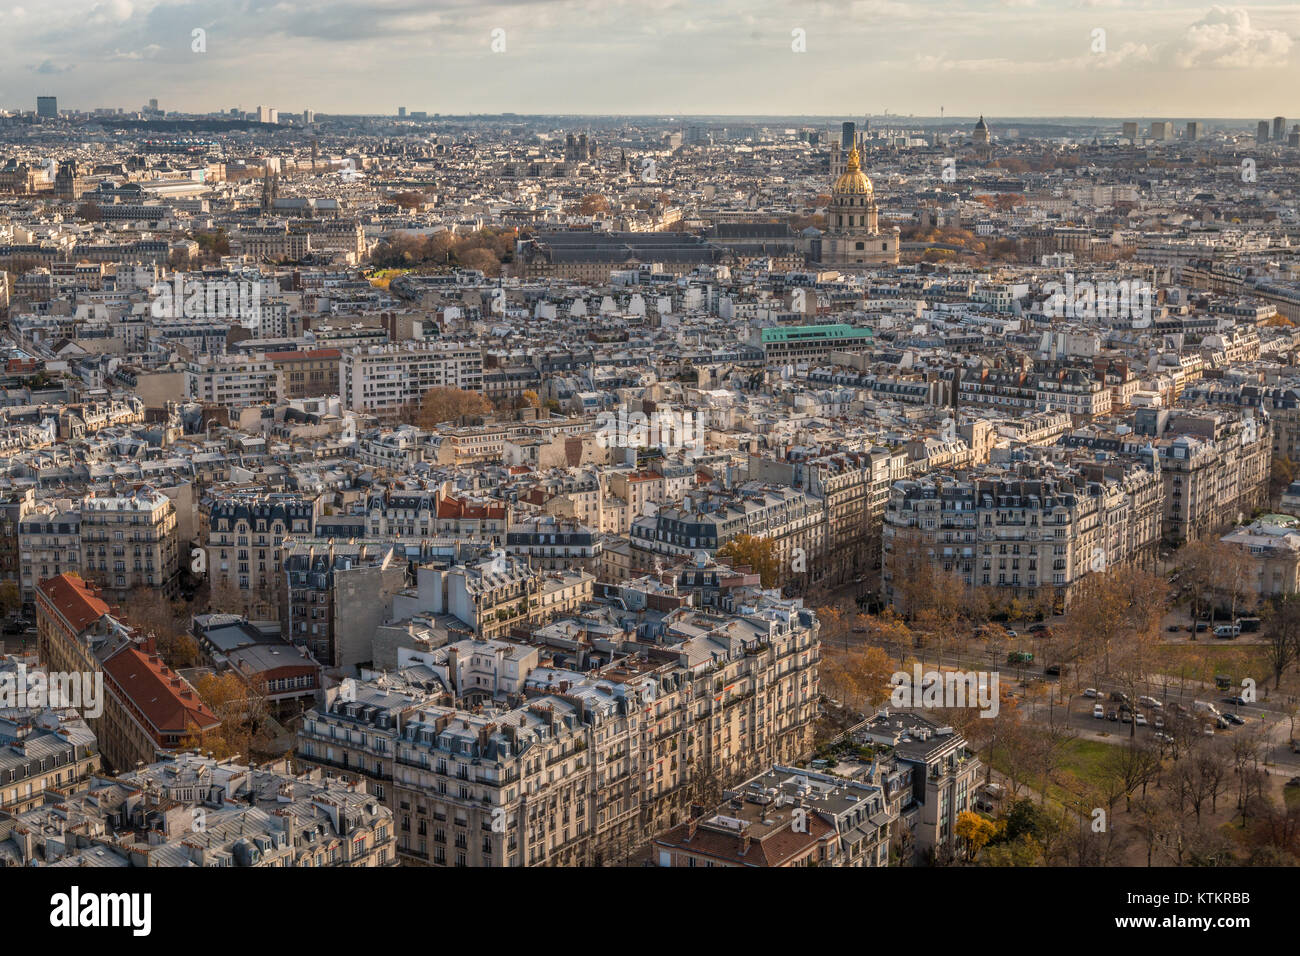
(1027, 58)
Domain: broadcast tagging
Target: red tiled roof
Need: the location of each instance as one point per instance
(158, 693)
(78, 602)
(456, 508)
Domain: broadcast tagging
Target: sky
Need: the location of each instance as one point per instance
(1081, 58)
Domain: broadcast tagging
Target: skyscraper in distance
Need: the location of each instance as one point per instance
(47, 107)
(1261, 132)
(1279, 129)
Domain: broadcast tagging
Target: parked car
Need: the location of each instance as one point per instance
(1037, 628)
(1164, 738)
(1118, 696)
(1150, 702)
(1238, 700)
(1112, 714)
(1158, 723)
(1234, 719)
(1011, 633)
(1090, 692)
(1053, 669)
(1125, 717)
(1202, 626)
(1227, 631)
(1140, 720)
(1098, 711)
(1174, 628)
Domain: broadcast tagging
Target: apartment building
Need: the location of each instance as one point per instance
(43, 752)
(786, 817)
(129, 541)
(496, 596)
(148, 708)
(591, 765)
(191, 810)
(1215, 472)
(234, 381)
(1030, 536)
(385, 378)
(554, 544)
(49, 543)
(242, 534)
(336, 593)
(793, 521)
(929, 779)
(307, 373)
(434, 513)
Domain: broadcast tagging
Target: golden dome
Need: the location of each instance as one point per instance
(853, 180)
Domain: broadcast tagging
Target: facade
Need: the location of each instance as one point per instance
(1029, 537)
(590, 766)
(129, 541)
(386, 379)
(148, 708)
(786, 817)
(242, 536)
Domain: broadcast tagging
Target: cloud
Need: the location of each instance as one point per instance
(1224, 39)
(50, 68)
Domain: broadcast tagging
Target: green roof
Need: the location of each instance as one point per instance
(793, 333)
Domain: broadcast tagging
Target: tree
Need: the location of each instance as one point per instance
(975, 831)
(11, 598)
(1280, 476)
(484, 260)
(240, 705)
(530, 399)
(1234, 577)
(1282, 631)
(589, 205)
(409, 199)
(447, 404)
(1196, 563)
(758, 554)
(165, 622)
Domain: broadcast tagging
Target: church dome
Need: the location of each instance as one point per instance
(853, 181)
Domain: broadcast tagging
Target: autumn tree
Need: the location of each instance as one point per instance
(446, 404)
(241, 707)
(165, 622)
(409, 199)
(757, 554)
(975, 831)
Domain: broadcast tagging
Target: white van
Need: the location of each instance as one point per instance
(1227, 630)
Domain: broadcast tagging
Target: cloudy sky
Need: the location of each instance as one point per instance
(1001, 57)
